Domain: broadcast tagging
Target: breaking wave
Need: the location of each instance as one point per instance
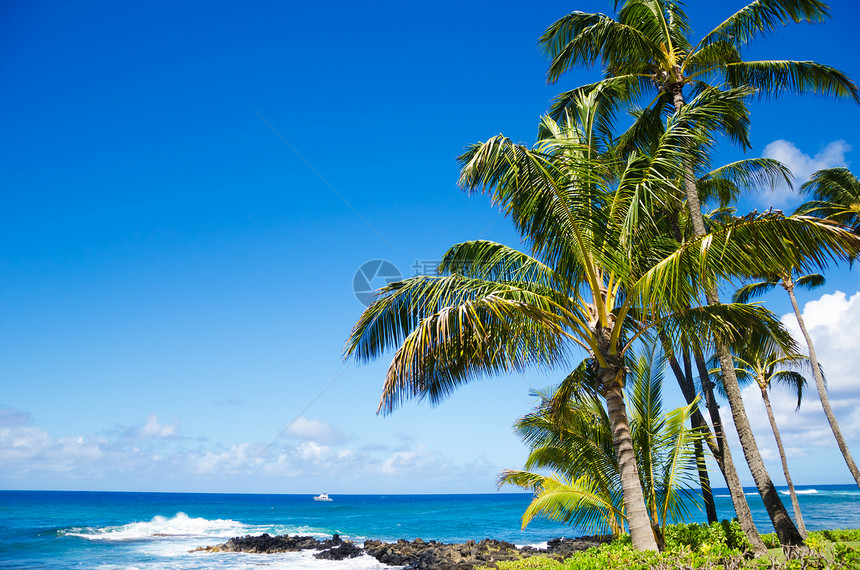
(180, 525)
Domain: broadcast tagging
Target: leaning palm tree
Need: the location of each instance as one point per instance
(600, 276)
(647, 47)
(766, 366)
(835, 196)
(722, 185)
(575, 442)
(789, 283)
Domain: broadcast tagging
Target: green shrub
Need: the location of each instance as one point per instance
(700, 547)
(726, 534)
(839, 534)
(770, 540)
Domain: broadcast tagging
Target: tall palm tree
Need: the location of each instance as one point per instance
(767, 366)
(811, 281)
(647, 46)
(576, 444)
(722, 185)
(600, 277)
(835, 196)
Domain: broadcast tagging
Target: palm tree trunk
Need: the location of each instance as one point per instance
(819, 384)
(723, 455)
(685, 382)
(638, 521)
(797, 516)
(785, 529)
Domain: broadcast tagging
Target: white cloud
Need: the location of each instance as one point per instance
(310, 451)
(314, 430)
(833, 322)
(152, 456)
(801, 165)
(153, 428)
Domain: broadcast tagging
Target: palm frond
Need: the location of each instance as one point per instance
(729, 324)
(752, 291)
(791, 379)
(809, 282)
(764, 16)
(581, 39)
(772, 78)
(730, 180)
(575, 502)
(836, 196)
(751, 247)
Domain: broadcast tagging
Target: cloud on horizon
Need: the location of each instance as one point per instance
(152, 455)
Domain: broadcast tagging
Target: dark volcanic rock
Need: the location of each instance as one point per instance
(345, 550)
(266, 544)
(565, 547)
(432, 555)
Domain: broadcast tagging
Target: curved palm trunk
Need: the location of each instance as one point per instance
(819, 384)
(785, 529)
(723, 455)
(794, 503)
(685, 382)
(717, 445)
(782, 523)
(638, 521)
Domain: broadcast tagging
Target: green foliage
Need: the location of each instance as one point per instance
(700, 546)
(770, 540)
(570, 434)
(837, 535)
(716, 536)
(621, 555)
(840, 535)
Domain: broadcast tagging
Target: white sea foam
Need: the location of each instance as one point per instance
(169, 540)
(180, 525)
(540, 545)
(801, 492)
(237, 561)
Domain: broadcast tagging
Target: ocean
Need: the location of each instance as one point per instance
(65, 529)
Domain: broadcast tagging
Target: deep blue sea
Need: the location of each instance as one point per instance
(64, 529)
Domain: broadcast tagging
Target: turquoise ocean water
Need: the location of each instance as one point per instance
(62, 529)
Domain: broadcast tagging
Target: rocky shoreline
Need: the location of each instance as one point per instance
(414, 555)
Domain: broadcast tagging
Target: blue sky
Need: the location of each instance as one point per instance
(189, 188)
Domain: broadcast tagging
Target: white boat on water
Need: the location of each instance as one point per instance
(323, 497)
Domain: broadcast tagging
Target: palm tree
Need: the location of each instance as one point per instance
(575, 441)
(811, 281)
(601, 275)
(722, 185)
(766, 365)
(648, 46)
(835, 196)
